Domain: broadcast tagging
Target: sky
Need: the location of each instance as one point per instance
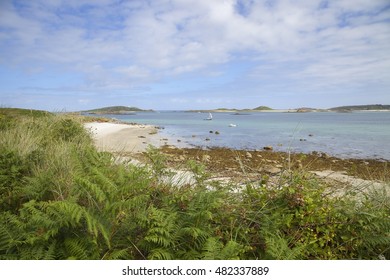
(70, 55)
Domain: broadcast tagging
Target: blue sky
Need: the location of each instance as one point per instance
(193, 54)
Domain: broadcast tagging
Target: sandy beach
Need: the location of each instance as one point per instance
(133, 139)
(123, 138)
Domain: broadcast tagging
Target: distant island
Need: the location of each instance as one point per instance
(375, 107)
(116, 110)
(262, 108)
(234, 110)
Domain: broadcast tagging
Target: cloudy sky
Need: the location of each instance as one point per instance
(199, 54)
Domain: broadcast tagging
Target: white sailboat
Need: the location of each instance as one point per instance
(210, 117)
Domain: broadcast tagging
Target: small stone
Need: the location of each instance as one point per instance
(211, 131)
(325, 155)
(217, 132)
(178, 140)
(206, 158)
(207, 139)
(268, 148)
(271, 169)
(311, 135)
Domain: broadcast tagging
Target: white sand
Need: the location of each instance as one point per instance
(119, 138)
(357, 184)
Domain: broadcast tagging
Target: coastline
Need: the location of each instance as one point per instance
(299, 110)
(252, 165)
(58, 183)
(122, 138)
(131, 140)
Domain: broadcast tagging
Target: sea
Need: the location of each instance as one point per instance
(358, 134)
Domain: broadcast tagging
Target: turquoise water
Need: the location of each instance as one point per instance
(347, 135)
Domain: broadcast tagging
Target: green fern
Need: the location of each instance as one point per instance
(162, 227)
(212, 249)
(5, 239)
(93, 192)
(160, 254)
(215, 250)
(121, 254)
(62, 199)
(38, 251)
(95, 226)
(67, 213)
(277, 248)
(80, 249)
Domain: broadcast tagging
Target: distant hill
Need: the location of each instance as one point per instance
(230, 110)
(115, 110)
(305, 110)
(361, 107)
(262, 108)
(17, 112)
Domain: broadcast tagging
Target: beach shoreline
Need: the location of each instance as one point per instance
(234, 163)
(132, 140)
(122, 138)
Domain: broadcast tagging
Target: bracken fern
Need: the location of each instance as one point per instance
(62, 199)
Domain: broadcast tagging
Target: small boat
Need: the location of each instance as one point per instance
(232, 125)
(209, 118)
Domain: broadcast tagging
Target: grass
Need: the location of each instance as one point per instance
(19, 113)
(62, 199)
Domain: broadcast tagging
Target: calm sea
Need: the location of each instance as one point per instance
(346, 135)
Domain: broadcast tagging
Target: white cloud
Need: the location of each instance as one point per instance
(132, 72)
(128, 44)
(178, 100)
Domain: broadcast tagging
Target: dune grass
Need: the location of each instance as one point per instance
(62, 199)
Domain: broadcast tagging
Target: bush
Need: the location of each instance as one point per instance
(62, 199)
(68, 130)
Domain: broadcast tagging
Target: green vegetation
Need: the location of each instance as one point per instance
(17, 113)
(8, 116)
(115, 110)
(362, 107)
(62, 199)
(262, 108)
(225, 109)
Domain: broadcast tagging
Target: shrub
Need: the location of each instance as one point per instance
(62, 199)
